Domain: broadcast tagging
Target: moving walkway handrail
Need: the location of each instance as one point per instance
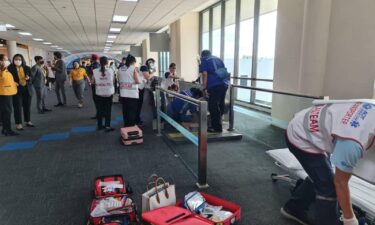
(250, 78)
(202, 132)
(231, 103)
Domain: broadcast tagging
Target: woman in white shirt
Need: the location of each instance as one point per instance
(104, 79)
(129, 94)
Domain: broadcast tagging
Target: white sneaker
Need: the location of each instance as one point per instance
(80, 105)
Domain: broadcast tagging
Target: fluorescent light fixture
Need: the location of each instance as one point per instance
(47, 43)
(128, 0)
(115, 29)
(54, 46)
(110, 41)
(60, 48)
(112, 36)
(120, 19)
(9, 26)
(38, 39)
(25, 33)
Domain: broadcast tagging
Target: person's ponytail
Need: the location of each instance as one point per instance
(103, 62)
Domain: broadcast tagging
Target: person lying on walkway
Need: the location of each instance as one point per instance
(337, 132)
(78, 76)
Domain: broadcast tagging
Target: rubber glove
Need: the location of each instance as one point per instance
(352, 221)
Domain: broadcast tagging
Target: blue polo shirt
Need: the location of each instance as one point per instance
(207, 65)
(179, 106)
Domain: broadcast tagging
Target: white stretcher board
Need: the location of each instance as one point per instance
(362, 192)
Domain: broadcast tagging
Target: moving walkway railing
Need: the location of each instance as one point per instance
(252, 79)
(232, 98)
(200, 141)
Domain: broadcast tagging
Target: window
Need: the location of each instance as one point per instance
(240, 37)
(229, 37)
(163, 63)
(216, 31)
(206, 30)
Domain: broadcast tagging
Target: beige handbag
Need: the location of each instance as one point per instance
(162, 194)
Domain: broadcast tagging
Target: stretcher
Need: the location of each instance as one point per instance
(362, 192)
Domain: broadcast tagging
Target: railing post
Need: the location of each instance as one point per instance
(202, 146)
(158, 122)
(231, 108)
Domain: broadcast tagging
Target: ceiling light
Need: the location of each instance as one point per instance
(112, 36)
(38, 39)
(128, 0)
(114, 29)
(110, 41)
(9, 26)
(47, 43)
(54, 46)
(120, 19)
(60, 48)
(25, 33)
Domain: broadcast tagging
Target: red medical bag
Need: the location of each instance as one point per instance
(112, 185)
(131, 135)
(227, 206)
(171, 215)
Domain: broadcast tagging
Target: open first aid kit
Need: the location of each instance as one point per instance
(113, 185)
(214, 210)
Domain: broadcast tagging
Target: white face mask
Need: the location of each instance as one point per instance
(17, 62)
(6, 63)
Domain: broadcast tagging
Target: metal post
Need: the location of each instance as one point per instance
(158, 123)
(231, 108)
(202, 145)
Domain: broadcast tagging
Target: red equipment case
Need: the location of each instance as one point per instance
(131, 135)
(101, 183)
(228, 206)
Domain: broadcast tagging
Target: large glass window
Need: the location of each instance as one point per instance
(206, 30)
(230, 34)
(216, 31)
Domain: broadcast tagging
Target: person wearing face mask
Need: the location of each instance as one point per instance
(78, 76)
(8, 89)
(60, 74)
(168, 82)
(39, 81)
(22, 100)
(146, 74)
(104, 79)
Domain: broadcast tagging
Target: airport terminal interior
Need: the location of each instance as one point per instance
(166, 112)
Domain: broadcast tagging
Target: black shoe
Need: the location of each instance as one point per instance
(10, 133)
(47, 110)
(108, 129)
(100, 128)
(59, 105)
(212, 130)
(298, 216)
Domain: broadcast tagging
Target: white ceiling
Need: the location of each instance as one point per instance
(83, 25)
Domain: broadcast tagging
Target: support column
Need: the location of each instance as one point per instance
(12, 48)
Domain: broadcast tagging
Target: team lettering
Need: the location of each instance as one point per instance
(349, 114)
(314, 119)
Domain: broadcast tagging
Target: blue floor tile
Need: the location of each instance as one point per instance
(26, 145)
(83, 129)
(50, 137)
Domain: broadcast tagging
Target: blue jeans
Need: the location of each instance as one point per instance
(318, 186)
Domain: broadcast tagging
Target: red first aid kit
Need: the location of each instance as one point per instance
(112, 185)
(172, 215)
(131, 135)
(227, 206)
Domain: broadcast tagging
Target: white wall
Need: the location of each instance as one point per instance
(323, 47)
(184, 45)
(34, 51)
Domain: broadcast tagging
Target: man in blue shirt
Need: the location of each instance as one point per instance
(179, 108)
(215, 88)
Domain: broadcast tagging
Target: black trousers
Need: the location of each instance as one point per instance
(216, 105)
(104, 107)
(6, 111)
(140, 103)
(22, 102)
(318, 187)
(95, 99)
(129, 111)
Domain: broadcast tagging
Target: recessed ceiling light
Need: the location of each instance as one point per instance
(54, 46)
(9, 26)
(115, 29)
(110, 41)
(60, 48)
(47, 43)
(25, 33)
(38, 39)
(120, 19)
(112, 36)
(128, 0)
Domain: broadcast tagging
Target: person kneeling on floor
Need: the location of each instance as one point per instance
(182, 111)
(337, 132)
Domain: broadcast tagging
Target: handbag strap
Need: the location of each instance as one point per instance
(151, 180)
(165, 187)
(213, 62)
